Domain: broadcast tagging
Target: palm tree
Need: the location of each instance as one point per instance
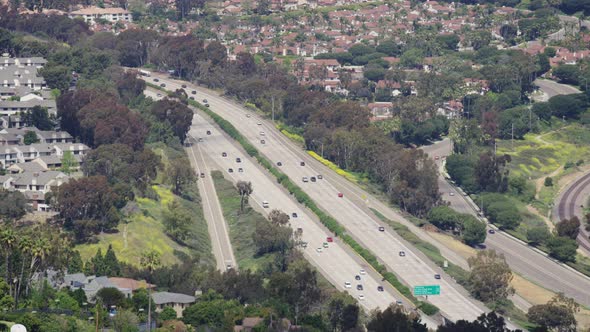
(24, 244)
(41, 247)
(7, 241)
(150, 260)
(245, 189)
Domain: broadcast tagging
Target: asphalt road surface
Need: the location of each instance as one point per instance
(570, 202)
(336, 262)
(522, 258)
(413, 268)
(552, 88)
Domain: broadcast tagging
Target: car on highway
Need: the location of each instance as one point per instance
(163, 85)
(302, 163)
(398, 302)
(359, 287)
(228, 267)
(238, 160)
(224, 154)
(340, 195)
(303, 245)
(320, 249)
(305, 179)
(202, 175)
(262, 133)
(230, 170)
(312, 179)
(259, 123)
(381, 229)
(325, 245)
(200, 139)
(191, 98)
(361, 297)
(357, 277)
(156, 80)
(402, 253)
(240, 170)
(491, 231)
(194, 92)
(363, 272)
(262, 141)
(208, 132)
(159, 95)
(320, 176)
(380, 288)
(279, 163)
(437, 276)
(205, 101)
(436, 157)
(347, 284)
(247, 115)
(451, 193)
(294, 215)
(183, 86)
(265, 204)
(329, 239)
(206, 105)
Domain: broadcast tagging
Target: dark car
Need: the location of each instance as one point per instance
(294, 215)
(241, 170)
(302, 163)
(156, 80)
(205, 101)
(202, 175)
(194, 92)
(238, 160)
(381, 229)
(359, 287)
(279, 163)
(163, 85)
(224, 154)
(184, 86)
(320, 176)
(312, 179)
(491, 231)
(357, 277)
(380, 288)
(208, 132)
(191, 98)
(230, 170)
(206, 105)
(437, 276)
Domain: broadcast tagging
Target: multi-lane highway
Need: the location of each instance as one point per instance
(334, 260)
(351, 210)
(522, 258)
(570, 202)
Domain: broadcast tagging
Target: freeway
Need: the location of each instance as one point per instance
(522, 258)
(570, 202)
(351, 210)
(336, 262)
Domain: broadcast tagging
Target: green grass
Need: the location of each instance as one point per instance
(540, 154)
(529, 220)
(241, 225)
(144, 232)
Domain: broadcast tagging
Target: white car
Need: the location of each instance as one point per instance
(305, 179)
(363, 272)
(320, 249)
(247, 115)
(451, 194)
(361, 297)
(262, 133)
(259, 123)
(347, 285)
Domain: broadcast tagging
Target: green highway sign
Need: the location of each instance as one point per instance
(427, 290)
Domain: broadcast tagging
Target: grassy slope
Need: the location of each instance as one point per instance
(241, 226)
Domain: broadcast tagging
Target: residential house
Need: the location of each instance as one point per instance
(13, 76)
(248, 324)
(44, 136)
(37, 62)
(92, 284)
(91, 14)
(30, 167)
(176, 301)
(6, 182)
(380, 110)
(14, 121)
(37, 184)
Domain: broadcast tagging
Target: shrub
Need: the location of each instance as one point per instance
(548, 182)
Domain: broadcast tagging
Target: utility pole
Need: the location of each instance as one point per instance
(512, 140)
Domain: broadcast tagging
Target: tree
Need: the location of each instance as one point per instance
(557, 314)
(443, 217)
(567, 74)
(110, 296)
(56, 76)
(548, 182)
(216, 53)
(30, 137)
(180, 174)
(125, 321)
(112, 266)
(167, 314)
(491, 173)
(568, 106)
(245, 190)
(178, 115)
(537, 235)
(394, 319)
(490, 276)
(568, 228)
(13, 204)
(150, 260)
(562, 248)
(177, 222)
(38, 117)
(68, 163)
(486, 322)
(474, 231)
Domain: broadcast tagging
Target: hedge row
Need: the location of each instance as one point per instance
(304, 199)
(334, 167)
